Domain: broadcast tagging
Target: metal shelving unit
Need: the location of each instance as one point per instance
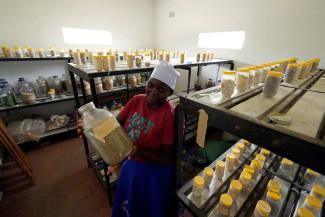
(246, 115)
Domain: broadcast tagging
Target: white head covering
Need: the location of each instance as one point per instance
(166, 73)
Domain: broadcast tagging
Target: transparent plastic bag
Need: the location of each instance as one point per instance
(28, 129)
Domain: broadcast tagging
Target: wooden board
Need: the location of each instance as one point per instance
(320, 85)
(259, 104)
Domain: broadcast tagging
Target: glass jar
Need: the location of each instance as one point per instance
(132, 80)
(182, 58)
(99, 85)
(291, 73)
(204, 56)
(146, 60)
(225, 204)
(318, 192)
(27, 94)
(56, 84)
(108, 83)
(315, 64)
(245, 179)
(198, 186)
(198, 57)
(105, 133)
(31, 52)
(121, 80)
(261, 158)
(208, 175)
(286, 168)
(273, 198)
(304, 212)
(41, 87)
(129, 59)
(220, 169)
(242, 78)
(272, 84)
(227, 83)
(18, 52)
(310, 177)
(234, 188)
(105, 60)
(138, 61)
(230, 162)
(262, 209)
(313, 204)
(112, 62)
(40, 53)
(236, 152)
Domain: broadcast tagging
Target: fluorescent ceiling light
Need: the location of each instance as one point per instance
(222, 40)
(86, 36)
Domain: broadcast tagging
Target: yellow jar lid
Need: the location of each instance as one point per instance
(304, 212)
(243, 69)
(240, 146)
(245, 175)
(319, 190)
(229, 73)
(220, 164)
(97, 57)
(312, 172)
(316, 60)
(265, 152)
(287, 162)
(293, 65)
(199, 181)
(275, 74)
(245, 142)
(255, 164)
(236, 185)
(226, 200)
(252, 67)
(260, 157)
(274, 184)
(208, 171)
(263, 207)
(235, 150)
(249, 169)
(268, 64)
(230, 156)
(274, 194)
(314, 202)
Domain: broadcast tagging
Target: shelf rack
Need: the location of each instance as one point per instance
(88, 73)
(246, 115)
(67, 58)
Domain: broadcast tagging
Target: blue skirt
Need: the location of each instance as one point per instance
(143, 190)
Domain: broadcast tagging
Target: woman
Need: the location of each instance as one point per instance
(145, 183)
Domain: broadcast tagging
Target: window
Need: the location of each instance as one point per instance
(222, 40)
(86, 36)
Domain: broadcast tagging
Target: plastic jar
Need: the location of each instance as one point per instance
(261, 158)
(274, 185)
(27, 94)
(225, 204)
(108, 83)
(227, 83)
(77, 58)
(303, 70)
(315, 64)
(258, 75)
(309, 67)
(112, 62)
(132, 80)
(230, 162)
(18, 52)
(98, 63)
(249, 170)
(52, 52)
(105, 60)
(313, 204)
(99, 85)
(167, 57)
(256, 165)
(245, 179)
(310, 176)
(121, 80)
(291, 73)
(129, 59)
(318, 192)
(286, 167)
(211, 56)
(220, 169)
(198, 186)
(236, 152)
(182, 58)
(56, 84)
(304, 212)
(41, 87)
(235, 188)
(242, 78)
(272, 84)
(262, 209)
(198, 57)
(146, 60)
(208, 175)
(265, 152)
(87, 88)
(266, 69)
(241, 147)
(251, 78)
(292, 59)
(273, 198)
(204, 57)
(31, 52)
(83, 58)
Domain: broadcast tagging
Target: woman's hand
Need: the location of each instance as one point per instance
(80, 125)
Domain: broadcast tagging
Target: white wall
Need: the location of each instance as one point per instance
(275, 29)
(38, 23)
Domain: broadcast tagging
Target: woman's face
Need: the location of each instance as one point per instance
(157, 92)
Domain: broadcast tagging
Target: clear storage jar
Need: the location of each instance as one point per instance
(235, 188)
(258, 75)
(167, 57)
(220, 169)
(227, 83)
(211, 56)
(315, 64)
(272, 84)
(273, 198)
(241, 147)
(291, 73)
(182, 58)
(286, 167)
(207, 175)
(242, 78)
(7, 52)
(230, 162)
(198, 57)
(112, 62)
(204, 56)
(313, 204)
(52, 52)
(130, 60)
(245, 179)
(266, 69)
(147, 60)
(108, 83)
(87, 88)
(225, 204)
(198, 186)
(256, 165)
(310, 177)
(56, 84)
(27, 94)
(83, 58)
(236, 152)
(105, 60)
(132, 81)
(40, 52)
(265, 152)
(105, 134)
(252, 74)
(304, 212)
(261, 158)
(318, 192)
(208, 56)
(262, 209)
(138, 61)
(273, 185)
(31, 52)
(18, 52)
(249, 170)
(77, 58)
(41, 87)
(99, 85)
(303, 66)
(309, 67)
(98, 63)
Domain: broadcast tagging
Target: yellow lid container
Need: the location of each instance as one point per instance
(246, 176)
(249, 170)
(242, 70)
(313, 202)
(255, 164)
(220, 164)
(235, 150)
(229, 72)
(312, 172)
(198, 181)
(287, 162)
(265, 152)
(208, 171)
(226, 200)
(240, 146)
(231, 157)
(274, 184)
(319, 190)
(275, 74)
(263, 207)
(293, 65)
(236, 185)
(304, 212)
(260, 157)
(274, 194)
